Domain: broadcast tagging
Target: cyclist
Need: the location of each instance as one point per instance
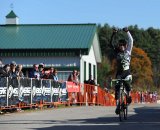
(123, 56)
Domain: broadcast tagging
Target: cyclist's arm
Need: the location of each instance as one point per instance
(130, 42)
(111, 41)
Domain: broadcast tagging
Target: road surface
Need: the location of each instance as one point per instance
(141, 117)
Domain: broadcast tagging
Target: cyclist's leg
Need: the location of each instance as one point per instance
(127, 85)
(117, 87)
(128, 89)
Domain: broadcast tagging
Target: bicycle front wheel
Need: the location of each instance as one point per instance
(126, 110)
(121, 103)
(121, 114)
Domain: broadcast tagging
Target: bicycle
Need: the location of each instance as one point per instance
(122, 103)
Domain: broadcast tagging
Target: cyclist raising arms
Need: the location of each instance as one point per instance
(122, 51)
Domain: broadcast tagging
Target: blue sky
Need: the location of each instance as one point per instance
(120, 13)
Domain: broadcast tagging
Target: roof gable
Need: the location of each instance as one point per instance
(97, 50)
(11, 15)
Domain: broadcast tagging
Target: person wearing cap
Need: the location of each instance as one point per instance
(41, 70)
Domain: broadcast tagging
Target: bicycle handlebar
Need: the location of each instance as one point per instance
(113, 80)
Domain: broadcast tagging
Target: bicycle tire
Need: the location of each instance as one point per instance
(126, 113)
(126, 110)
(121, 113)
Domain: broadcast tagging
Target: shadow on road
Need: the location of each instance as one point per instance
(146, 118)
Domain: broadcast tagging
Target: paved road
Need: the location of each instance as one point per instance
(141, 117)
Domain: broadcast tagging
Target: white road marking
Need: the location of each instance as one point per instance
(142, 122)
(87, 124)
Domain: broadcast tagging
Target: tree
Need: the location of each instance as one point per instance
(103, 72)
(148, 40)
(141, 68)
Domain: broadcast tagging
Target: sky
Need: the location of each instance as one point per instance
(119, 13)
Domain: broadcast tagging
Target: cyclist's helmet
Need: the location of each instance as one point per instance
(122, 42)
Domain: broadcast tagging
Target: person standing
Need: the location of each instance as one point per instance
(19, 71)
(12, 71)
(73, 77)
(4, 72)
(34, 73)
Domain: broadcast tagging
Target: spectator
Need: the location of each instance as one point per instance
(51, 74)
(41, 71)
(19, 71)
(73, 77)
(141, 96)
(55, 77)
(4, 72)
(91, 81)
(34, 72)
(151, 97)
(78, 76)
(12, 71)
(1, 64)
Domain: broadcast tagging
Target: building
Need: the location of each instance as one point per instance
(62, 46)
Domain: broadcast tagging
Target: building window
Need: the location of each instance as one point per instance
(84, 70)
(94, 71)
(90, 69)
(63, 75)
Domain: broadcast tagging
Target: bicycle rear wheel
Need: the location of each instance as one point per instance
(126, 109)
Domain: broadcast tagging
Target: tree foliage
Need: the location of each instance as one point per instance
(147, 47)
(141, 68)
(103, 72)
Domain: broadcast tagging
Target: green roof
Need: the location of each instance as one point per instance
(11, 15)
(47, 36)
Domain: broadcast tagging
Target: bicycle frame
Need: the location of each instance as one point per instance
(122, 103)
